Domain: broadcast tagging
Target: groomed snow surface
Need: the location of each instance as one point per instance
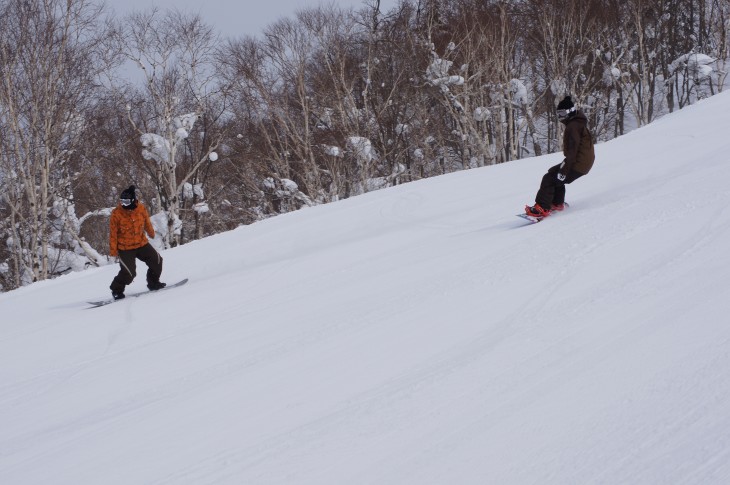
(421, 334)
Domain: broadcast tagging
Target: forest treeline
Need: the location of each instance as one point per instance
(329, 103)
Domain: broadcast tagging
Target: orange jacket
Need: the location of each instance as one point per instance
(127, 228)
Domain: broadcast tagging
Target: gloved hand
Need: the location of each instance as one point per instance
(561, 177)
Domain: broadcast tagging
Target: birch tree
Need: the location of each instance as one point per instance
(174, 52)
(719, 25)
(52, 53)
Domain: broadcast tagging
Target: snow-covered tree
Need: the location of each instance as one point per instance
(52, 53)
(175, 53)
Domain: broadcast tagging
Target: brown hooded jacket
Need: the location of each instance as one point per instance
(577, 145)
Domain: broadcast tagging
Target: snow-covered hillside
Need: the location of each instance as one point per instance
(417, 335)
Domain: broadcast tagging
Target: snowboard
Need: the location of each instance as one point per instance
(535, 219)
(96, 304)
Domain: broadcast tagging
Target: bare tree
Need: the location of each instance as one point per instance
(719, 24)
(52, 53)
(174, 52)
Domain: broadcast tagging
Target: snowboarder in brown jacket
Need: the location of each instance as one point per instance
(127, 227)
(579, 158)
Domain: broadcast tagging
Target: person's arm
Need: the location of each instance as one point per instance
(571, 143)
(149, 229)
(113, 229)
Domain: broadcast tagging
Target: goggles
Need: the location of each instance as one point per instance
(564, 113)
(126, 202)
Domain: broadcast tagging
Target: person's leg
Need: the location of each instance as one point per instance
(148, 255)
(548, 186)
(559, 192)
(559, 195)
(127, 271)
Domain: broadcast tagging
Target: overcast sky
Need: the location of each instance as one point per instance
(236, 18)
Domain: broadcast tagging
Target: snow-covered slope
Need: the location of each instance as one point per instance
(421, 334)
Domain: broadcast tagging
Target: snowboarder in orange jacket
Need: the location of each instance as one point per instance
(127, 240)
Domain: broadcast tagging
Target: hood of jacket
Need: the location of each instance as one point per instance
(578, 116)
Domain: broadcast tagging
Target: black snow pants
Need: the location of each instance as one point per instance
(552, 190)
(128, 264)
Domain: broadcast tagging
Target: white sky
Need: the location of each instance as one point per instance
(240, 17)
(416, 335)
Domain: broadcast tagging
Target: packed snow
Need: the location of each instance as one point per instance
(420, 334)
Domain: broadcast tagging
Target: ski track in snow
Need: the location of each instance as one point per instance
(416, 335)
